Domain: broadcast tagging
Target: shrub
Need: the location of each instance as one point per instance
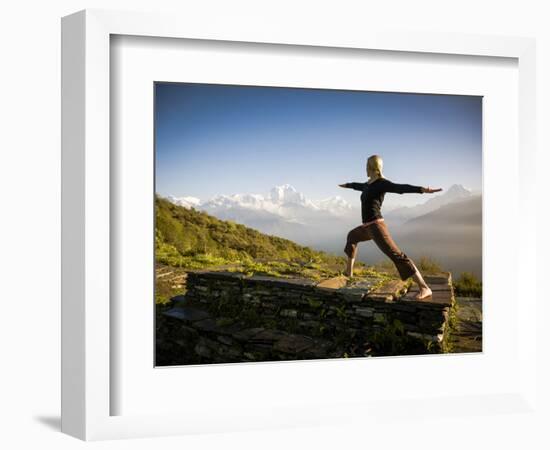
(467, 285)
(429, 265)
(182, 233)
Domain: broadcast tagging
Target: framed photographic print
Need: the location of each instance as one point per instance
(270, 274)
(279, 218)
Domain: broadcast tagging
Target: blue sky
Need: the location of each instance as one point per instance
(217, 139)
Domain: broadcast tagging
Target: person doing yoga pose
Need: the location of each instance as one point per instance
(374, 227)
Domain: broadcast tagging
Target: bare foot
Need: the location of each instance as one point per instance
(423, 293)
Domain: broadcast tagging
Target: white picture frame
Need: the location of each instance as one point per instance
(87, 386)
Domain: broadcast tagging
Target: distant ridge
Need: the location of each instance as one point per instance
(455, 193)
(451, 234)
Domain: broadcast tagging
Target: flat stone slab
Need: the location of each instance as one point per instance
(319, 350)
(395, 288)
(364, 284)
(351, 295)
(247, 334)
(468, 336)
(440, 298)
(333, 283)
(206, 325)
(220, 275)
(281, 281)
(293, 343)
(234, 330)
(375, 297)
(188, 314)
(267, 337)
(469, 309)
(443, 278)
(434, 287)
(357, 290)
(178, 299)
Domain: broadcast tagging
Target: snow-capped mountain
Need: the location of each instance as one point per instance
(288, 195)
(284, 201)
(252, 201)
(186, 202)
(335, 205)
(282, 211)
(323, 224)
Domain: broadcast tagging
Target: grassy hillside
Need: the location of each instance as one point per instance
(192, 239)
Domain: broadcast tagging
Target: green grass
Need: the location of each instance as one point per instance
(186, 239)
(429, 266)
(161, 299)
(426, 264)
(183, 235)
(190, 239)
(467, 285)
(392, 340)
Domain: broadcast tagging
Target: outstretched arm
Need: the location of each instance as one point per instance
(354, 186)
(408, 189)
(430, 190)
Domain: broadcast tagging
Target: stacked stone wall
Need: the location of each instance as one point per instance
(231, 317)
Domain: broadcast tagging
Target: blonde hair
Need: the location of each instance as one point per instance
(374, 165)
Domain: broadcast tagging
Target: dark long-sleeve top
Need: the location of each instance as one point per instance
(372, 195)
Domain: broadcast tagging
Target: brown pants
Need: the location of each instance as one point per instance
(379, 233)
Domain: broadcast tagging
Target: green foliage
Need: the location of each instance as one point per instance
(399, 327)
(341, 312)
(161, 299)
(314, 303)
(451, 328)
(392, 340)
(192, 239)
(168, 254)
(384, 266)
(225, 321)
(467, 285)
(186, 239)
(428, 265)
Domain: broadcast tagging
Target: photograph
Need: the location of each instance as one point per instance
(294, 223)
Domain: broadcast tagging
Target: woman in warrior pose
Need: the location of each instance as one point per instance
(373, 226)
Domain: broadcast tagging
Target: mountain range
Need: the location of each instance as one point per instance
(402, 214)
(445, 226)
(452, 234)
(283, 211)
(284, 201)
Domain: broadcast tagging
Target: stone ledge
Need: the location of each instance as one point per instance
(393, 288)
(333, 283)
(433, 287)
(357, 292)
(214, 274)
(438, 298)
(293, 282)
(441, 278)
(188, 314)
(268, 318)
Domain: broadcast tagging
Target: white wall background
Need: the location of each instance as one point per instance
(29, 224)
